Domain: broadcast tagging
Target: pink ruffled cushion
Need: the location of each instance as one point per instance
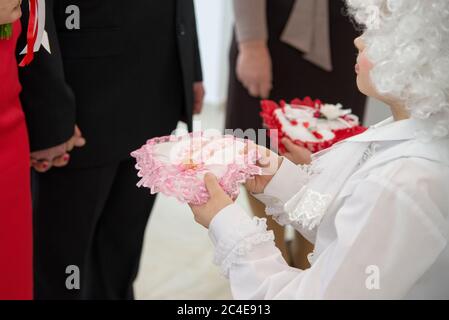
(175, 166)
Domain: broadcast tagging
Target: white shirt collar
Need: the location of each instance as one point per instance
(390, 130)
(407, 130)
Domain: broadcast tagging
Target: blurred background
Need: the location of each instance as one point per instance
(177, 256)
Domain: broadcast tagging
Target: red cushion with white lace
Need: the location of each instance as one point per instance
(309, 123)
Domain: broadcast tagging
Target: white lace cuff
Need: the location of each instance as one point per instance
(235, 234)
(287, 182)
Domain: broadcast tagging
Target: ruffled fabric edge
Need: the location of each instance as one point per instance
(248, 235)
(307, 208)
(175, 181)
(271, 122)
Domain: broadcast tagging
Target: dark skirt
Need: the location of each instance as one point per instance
(294, 76)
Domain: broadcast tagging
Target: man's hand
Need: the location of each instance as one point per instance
(217, 202)
(10, 11)
(198, 95)
(254, 68)
(295, 153)
(58, 156)
(76, 141)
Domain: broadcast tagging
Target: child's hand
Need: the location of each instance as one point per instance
(295, 153)
(217, 202)
(270, 163)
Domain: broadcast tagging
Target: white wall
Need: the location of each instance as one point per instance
(214, 20)
(376, 112)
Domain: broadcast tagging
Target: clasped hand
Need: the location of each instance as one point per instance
(57, 156)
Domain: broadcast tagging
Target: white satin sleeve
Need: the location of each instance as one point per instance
(286, 183)
(386, 241)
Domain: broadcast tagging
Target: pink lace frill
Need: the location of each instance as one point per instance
(184, 181)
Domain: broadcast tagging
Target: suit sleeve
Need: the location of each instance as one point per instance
(48, 101)
(198, 68)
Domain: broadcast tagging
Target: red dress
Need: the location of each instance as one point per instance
(15, 192)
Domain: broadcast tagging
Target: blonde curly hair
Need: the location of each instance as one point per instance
(408, 43)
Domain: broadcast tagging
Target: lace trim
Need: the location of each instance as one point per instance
(282, 219)
(183, 183)
(248, 235)
(308, 169)
(308, 207)
(276, 210)
(309, 210)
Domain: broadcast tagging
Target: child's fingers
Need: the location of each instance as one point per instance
(193, 207)
(265, 157)
(288, 144)
(212, 185)
(288, 155)
(249, 146)
(263, 162)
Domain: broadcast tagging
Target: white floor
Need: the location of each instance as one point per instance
(177, 258)
(177, 255)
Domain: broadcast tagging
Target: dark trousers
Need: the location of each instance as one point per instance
(93, 219)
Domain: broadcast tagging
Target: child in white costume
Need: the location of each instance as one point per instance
(376, 206)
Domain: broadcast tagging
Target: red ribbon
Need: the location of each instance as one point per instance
(32, 31)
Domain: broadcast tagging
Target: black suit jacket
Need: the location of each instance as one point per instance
(124, 76)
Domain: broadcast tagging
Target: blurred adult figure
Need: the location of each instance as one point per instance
(285, 49)
(118, 74)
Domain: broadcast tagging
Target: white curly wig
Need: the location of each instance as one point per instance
(408, 43)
